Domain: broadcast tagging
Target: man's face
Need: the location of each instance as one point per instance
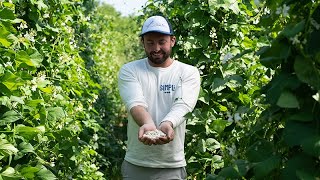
(158, 47)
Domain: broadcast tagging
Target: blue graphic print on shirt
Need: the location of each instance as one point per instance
(167, 88)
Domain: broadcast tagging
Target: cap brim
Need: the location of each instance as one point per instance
(156, 31)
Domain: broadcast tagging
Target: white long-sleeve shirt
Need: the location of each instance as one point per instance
(168, 94)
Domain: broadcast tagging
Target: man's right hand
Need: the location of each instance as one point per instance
(143, 129)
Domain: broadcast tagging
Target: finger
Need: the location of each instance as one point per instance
(140, 133)
(147, 141)
(171, 135)
(164, 140)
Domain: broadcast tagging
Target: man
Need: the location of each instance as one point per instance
(158, 92)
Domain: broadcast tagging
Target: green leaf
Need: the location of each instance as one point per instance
(273, 56)
(288, 100)
(212, 144)
(6, 13)
(9, 117)
(31, 57)
(47, 90)
(298, 163)
(218, 85)
(292, 138)
(45, 174)
(28, 132)
(8, 149)
(244, 98)
(4, 100)
(55, 113)
(29, 172)
(247, 43)
(293, 29)
(264, 168)
(10, 174)
(238, 170)
(313, 45)
(259, 151)
(307, 71)
(231, 5)
(35, 57)
(219, 125)
(302, 117)
(312, 146)
(17, 99)
(280, 83)
(305, 175)
(41, 5)
(26, 148)
(35, 102)
(204, 40)
(4, 37)
(23, 57)
(11, 81)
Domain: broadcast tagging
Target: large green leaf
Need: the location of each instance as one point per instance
(288, 100)
(296, 132)
(31, 58)
(305, 116)
(293, 29)
(219, 125)
(260, 151)
(10, 174)
(25, 147)
(6, 13)
(9, 117)
(34, 102)
(218, 85)
(264, 168)
(274, 55)
(29, 172)
(307, 71)
(279, 84)
(55, 113)
(28, 132)
(45, 174)
(236, 171)
(4, 37)
(11, 81)
(231, 5)
(297, 164)
(7, 148)
(307, 175)
(312, 146)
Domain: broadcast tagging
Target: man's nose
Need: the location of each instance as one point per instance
(157, 47)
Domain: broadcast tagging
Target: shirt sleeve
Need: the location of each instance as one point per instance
(130, 88)
(185, 99)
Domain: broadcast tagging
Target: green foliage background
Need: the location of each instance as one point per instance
(60, 112)
(257, 117)
(258, 112)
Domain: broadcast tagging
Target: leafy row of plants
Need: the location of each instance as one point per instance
(258, 111)
(58, 99)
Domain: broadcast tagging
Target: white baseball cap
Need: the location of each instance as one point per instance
(156, 24)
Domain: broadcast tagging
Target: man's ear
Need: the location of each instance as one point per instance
(142, 42)
(173, 40)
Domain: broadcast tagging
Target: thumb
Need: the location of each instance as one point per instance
(141, 132)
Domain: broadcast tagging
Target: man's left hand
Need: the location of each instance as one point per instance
(167, 128)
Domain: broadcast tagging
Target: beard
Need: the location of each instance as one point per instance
(159, 60)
